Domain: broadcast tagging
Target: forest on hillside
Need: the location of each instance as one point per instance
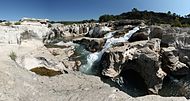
(150, 17)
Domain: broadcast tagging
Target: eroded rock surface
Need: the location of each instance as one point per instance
(142, 58)
(91, 44)
(171, 62)
(148, 54)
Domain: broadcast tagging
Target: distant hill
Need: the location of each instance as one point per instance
(150, 18)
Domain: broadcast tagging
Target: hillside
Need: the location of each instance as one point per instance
(150, 17)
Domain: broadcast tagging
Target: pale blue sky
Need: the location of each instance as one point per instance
(84, 9)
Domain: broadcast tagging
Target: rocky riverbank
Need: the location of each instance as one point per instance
(129, 59)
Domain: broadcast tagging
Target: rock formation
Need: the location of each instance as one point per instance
(155, 55)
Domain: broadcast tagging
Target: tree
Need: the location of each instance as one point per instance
(105, 18)
(169, 13)
(174, 14)
(135, 10)
(177, 23)
(188, 16)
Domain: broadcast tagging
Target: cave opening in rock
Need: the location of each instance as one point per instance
(133, 83)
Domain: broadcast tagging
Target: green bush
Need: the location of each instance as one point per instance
(176, 23)
(185, 25)
(105, 18)
(8, 23)
(17, 23)
(13, 56)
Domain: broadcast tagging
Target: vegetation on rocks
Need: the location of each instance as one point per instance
(13, 56)
(17, 23)
(8, 23)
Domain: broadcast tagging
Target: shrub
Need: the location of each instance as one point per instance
(17, 23)
(49, 25)
(176, 23)
(105, 18)
(13, 56)
(8, 24)
(185, 25)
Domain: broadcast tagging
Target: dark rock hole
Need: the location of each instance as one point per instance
(134, 84)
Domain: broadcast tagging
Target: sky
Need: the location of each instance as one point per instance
(75, 10)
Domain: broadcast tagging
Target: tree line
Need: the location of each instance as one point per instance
(150, 17)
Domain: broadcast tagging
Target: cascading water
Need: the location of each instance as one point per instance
(94, 58)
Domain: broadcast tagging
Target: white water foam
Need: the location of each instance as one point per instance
(95, 57)
(109, 35)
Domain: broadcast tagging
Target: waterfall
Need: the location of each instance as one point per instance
(94, 58)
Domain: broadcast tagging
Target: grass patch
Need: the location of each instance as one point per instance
(17, 23)
(13, 56)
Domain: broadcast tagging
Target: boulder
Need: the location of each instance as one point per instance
(142, 34)
(98, 31)
(171, 63)
(184, 56)
(56, 35)
(90, 44)
(65, 32)
(156, 32)
(148, 64)
(142, 57)
(171, 36)
(183, 41)
(114, 58)
(176, 86)
(122, 31)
